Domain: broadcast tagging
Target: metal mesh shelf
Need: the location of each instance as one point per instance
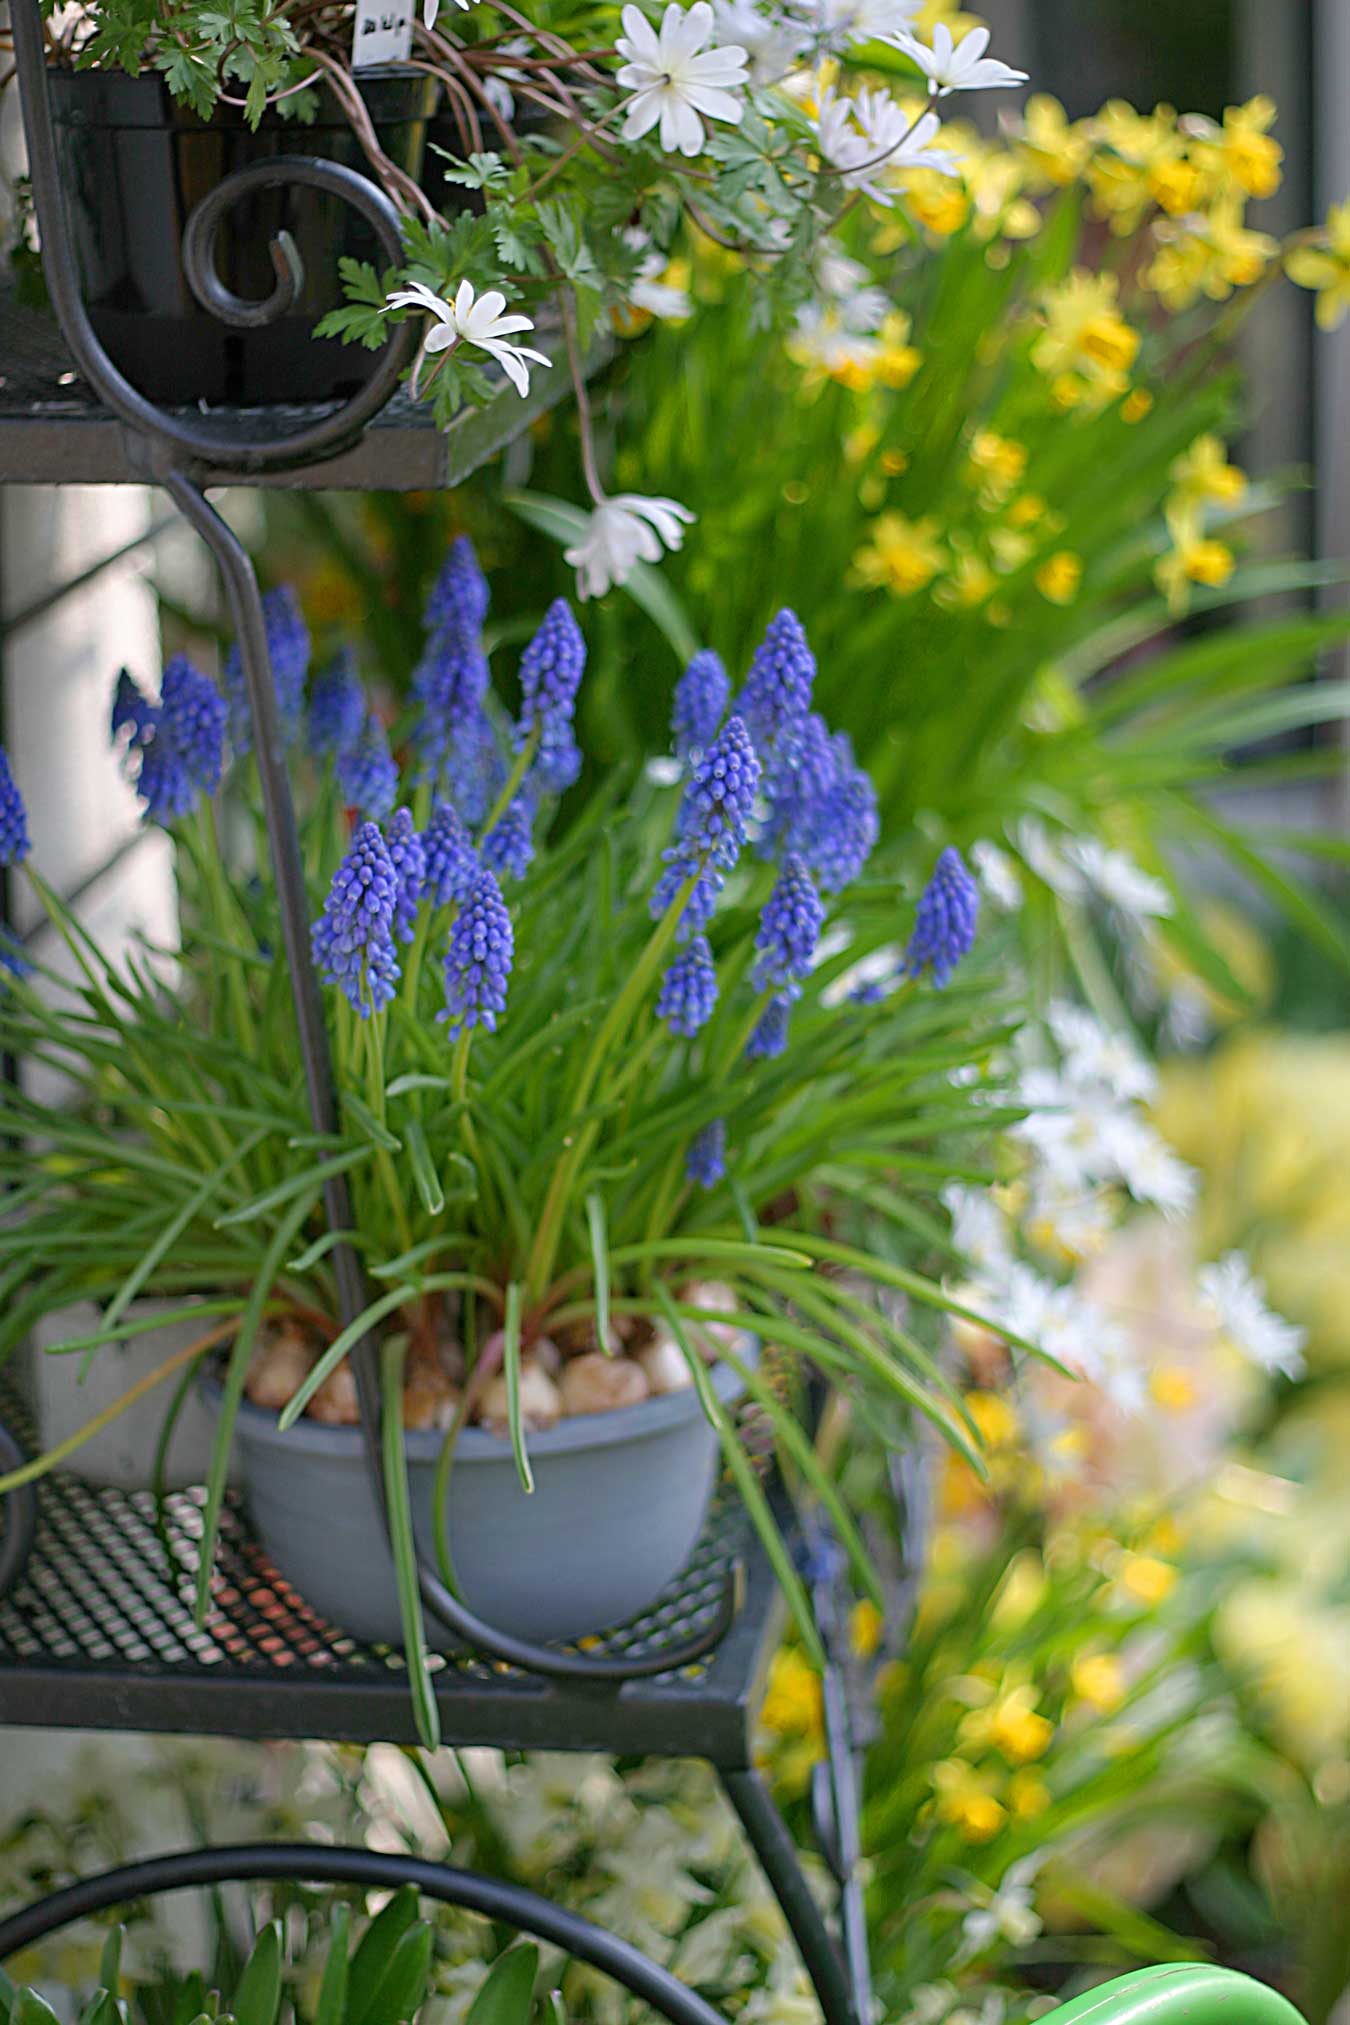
(98, 1633)
(53, 430)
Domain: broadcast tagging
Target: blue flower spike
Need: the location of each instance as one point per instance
(701, 697)
(707, 1160)
(478, 961)
(551, 669)
(407, 854)
(789, 929)
(451, 861)
(337, 707)
(689, 990)
(459, 599)
(776, 699)
(366, 772)
(14, 841)
(353, 939)
(711, 827)
(944, 927)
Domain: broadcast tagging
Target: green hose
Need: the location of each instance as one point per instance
(1179, 1993)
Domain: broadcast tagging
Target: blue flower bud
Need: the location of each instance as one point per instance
(458, 604)
(509, 845)
(689, 990)
(288, 649)
(550, 675)
(707, 1161)
(451, 861)
(711, 825)
(839, 831)
(14, 844)
(409, 860)
(770, 1037)
(701, 697)
(353, 938)
(478, 961)
(777, 693)
(789, 929)
(192, 716)
(366, 773)
(132, 711)
(451, 685)
(944, 927)
(337, 707)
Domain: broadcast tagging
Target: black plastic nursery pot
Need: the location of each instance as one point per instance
(134, 165)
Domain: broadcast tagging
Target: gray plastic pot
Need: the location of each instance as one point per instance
(618, 1503)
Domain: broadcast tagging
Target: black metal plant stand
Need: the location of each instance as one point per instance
(93, 1633)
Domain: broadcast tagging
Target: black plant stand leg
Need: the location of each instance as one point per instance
(20, 1509)
(777, 1852)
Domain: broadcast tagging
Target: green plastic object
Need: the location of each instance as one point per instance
(1179, 1993)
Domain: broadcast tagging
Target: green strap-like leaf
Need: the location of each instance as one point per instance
(511, 1367)
(375, 1951)
(258, 1994)
(506, 1996)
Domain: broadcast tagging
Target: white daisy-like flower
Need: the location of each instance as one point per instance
(997, 875)
(1146, 1163)
(1008, 1913)
(431, 8)
(1118, 880)
(870, 140)
(1094, 1053)
(675, 79)
(1044, 856)
(648, 291)
(979, 1229)
(474, 319)
(626, 530)
(771, 39)
(1236, 1299)
(835, 24)
(957, 66)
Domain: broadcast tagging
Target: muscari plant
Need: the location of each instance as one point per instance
(575, 1074)
(384, 1979)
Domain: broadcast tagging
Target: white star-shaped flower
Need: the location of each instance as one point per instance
(1236, 1300)
(957, 66)
(623, 531)
(473, 319)
(870, 138)
(675, 80)
(836, 24)
(771, 39)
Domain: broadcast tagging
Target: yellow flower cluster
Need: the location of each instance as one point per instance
(1201, 477)
(965, 568)
(1324, 264)
(1190, 177)
(1085, 348)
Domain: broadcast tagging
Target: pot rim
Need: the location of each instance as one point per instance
(646, 1421)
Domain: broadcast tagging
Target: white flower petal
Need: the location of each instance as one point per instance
(714, 103)
(643, 114)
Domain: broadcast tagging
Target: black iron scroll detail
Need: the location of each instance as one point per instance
(177, 438)
(509, 1904)
(180, 453)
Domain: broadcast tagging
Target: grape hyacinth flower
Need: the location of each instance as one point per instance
(353, 938)
(337, 707)
(478, 962)
(776, 699)
(689, 990)
(550, 674)
(701, 696)
(789, 929)
(770, 1036)
(409, 860)
(451, 861)
(707, 1160)
(12, 958)
(192, 713)
(288, 648)
(944, 928)
(798, 791)
(711, 825)
(841, 829)
(132, 711)
(451, 685)
(366, 772)
(509, 845)
(14, 842)
(458, 604)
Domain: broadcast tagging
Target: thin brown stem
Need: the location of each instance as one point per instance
(582, 392)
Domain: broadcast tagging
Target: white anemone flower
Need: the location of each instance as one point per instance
(649, 291)
(623, 531)
(772, 41)
(1118, 880)
(957, 66)
(871, 138)
(1237, 1301)
(997, 875)
(431, 8)
(835, 24)
(473, 319)
(675, 80)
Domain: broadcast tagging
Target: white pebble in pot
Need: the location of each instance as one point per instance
(597, 1384)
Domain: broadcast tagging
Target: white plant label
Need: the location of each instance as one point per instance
(383, 32)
